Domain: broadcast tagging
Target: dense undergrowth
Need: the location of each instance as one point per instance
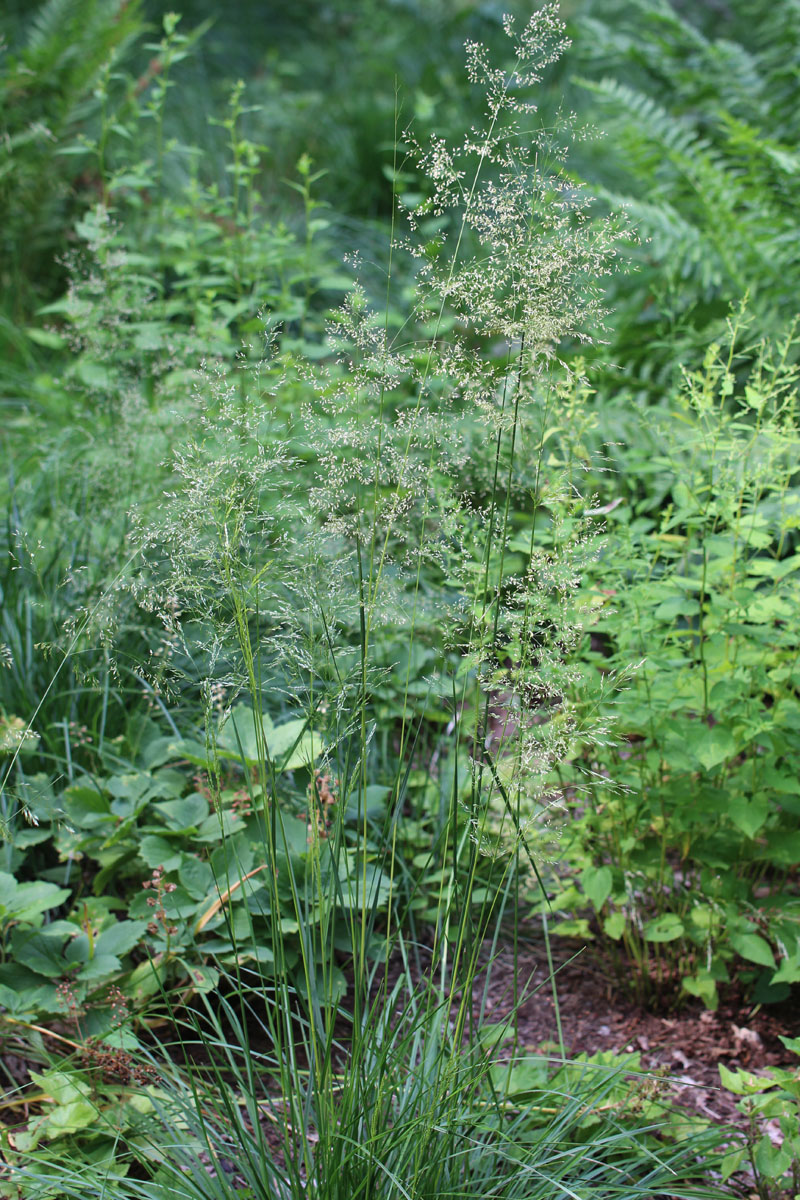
(359, 615)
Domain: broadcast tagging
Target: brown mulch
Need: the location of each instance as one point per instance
(687, 1045)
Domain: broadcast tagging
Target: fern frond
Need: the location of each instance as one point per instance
(671, 240)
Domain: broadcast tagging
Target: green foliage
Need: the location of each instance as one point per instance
(172, 874)
(688, 855)
(311, 68)
(364, 570)
(165, 276)
(699, 146)
(54, 74)
(83, 1114)
(771, 1105)
(611, 1090)
(413, 1108)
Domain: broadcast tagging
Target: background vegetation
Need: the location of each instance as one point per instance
(376, 592)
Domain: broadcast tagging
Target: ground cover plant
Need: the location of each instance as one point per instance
(338, 686)
(711, 710)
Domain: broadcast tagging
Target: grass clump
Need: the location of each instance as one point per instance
(365, 573)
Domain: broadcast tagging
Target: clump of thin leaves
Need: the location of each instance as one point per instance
(406, 1108)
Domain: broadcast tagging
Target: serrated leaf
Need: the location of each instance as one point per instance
(119, 939)
(710, 747)
(70, 1118)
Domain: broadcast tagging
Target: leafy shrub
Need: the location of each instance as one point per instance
(688, 856)
(164, 275)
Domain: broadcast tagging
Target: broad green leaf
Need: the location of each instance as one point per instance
(101, 966)
(744, 1083)
(196, 876)
(120, 938)
(235, 857)
(784, 848)
(86, 807)
(33, 899)
(24, 991)
(8, 886)
(159, 852)
(62, 1086)
(521, 1082)
(578, 928)
(132, 786)
(710, 747)
(24, 1141)
(684, 498)
(771, 1161)
(70, 1118)
(731, 1163)
(289, 745)
(597, 883)
(766, 609)
(667, 928)
(773, 568)
(46, 337)
(42, 954)
(614, 925)
(753, 948)
(203, 979)
(146, 981)
(183, 815)
(748, 815)
(218, 827)
(677, 606)
(704, 988)
(702, 916)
